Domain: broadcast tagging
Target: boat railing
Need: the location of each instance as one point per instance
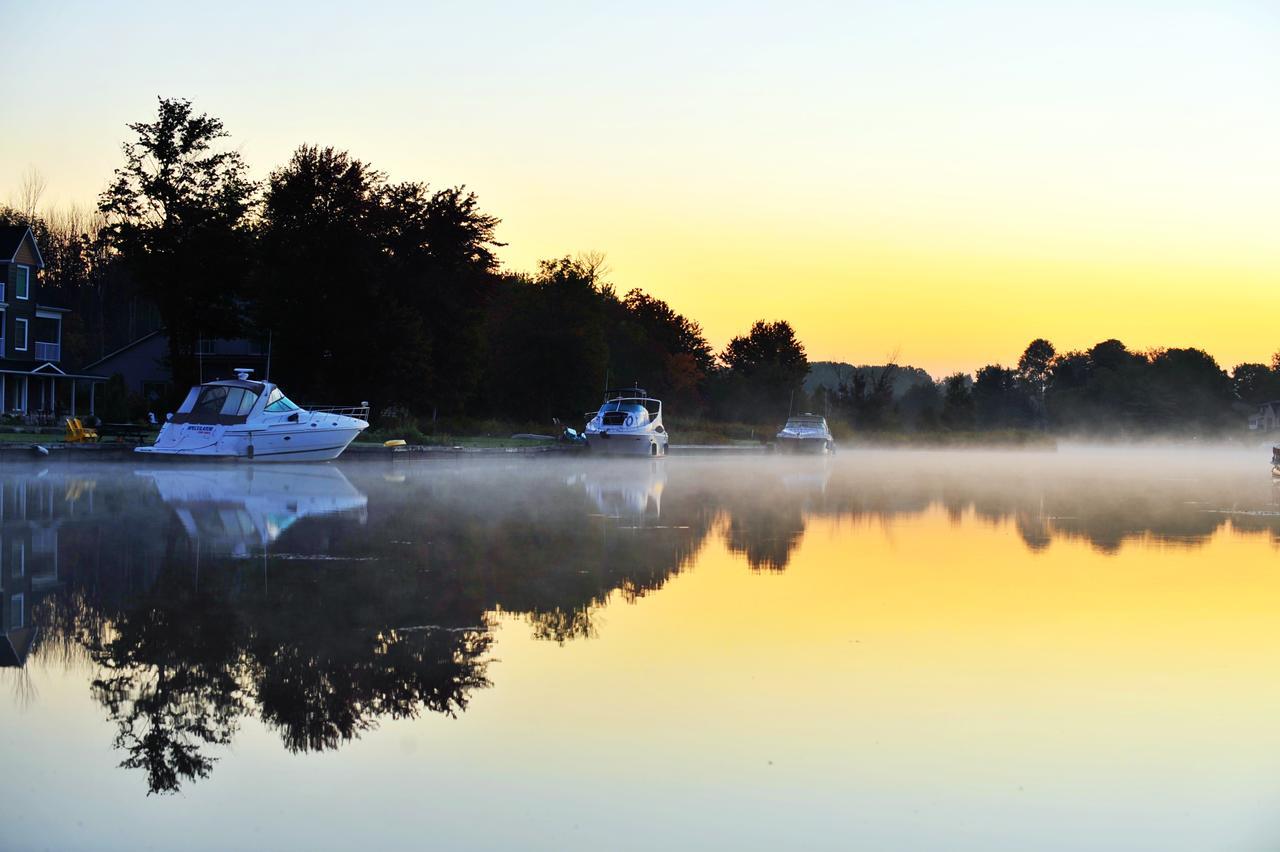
(360, 411)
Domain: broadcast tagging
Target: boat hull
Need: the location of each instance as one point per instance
(639, 444)
(296, 445)
(809, 446)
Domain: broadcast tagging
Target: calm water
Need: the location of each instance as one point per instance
(1078, 650)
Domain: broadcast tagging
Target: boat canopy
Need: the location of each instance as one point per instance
(626, 393)
(806, 420)
(650, 407)
(219, 403)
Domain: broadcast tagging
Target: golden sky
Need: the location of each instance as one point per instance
(943, 181)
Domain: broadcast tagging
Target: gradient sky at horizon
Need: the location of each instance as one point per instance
(940, 181)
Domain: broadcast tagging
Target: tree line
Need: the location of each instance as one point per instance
(1107, 389)
(369, 288)
(392, 291)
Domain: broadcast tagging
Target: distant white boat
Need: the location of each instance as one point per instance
(628, 423)
(806, 433)
(245, 419)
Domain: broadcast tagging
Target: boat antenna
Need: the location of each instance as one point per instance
(267, 377)
(200, 355)
(791, 403)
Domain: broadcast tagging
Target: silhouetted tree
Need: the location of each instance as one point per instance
(547, 349)
(766, 367)
(1000, 400)
(957, 403)
(339, 330)
(442, 264)
(663, 351)
(1255, 383)
(177, 213)
(1034, 368)
(867, 398)
(921, 406)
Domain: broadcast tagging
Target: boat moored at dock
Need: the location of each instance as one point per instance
(629, 423)
(806, 433)
(242, 418)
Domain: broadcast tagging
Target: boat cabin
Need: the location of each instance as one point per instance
(629, 412)
(229, 402)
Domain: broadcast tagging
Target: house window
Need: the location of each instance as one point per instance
(22, 289)
(20, 335)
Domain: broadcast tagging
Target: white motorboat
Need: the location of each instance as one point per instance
(245, 419)
(806, 433)
(628, 423)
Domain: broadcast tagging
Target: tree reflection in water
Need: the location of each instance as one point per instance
(294, 599)
(172, 674)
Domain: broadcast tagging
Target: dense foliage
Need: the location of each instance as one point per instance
(392, 292)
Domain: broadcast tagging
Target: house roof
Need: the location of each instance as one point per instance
(11, 237)
(125, 348)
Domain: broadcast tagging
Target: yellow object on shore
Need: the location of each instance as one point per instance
(77, 433)
(394, 442)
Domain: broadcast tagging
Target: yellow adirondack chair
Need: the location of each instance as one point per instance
(77, 433)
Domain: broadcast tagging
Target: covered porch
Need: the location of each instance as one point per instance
(47, 393)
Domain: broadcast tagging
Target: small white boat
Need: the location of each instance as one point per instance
(806, 433)
(629, 423)
(245, 419)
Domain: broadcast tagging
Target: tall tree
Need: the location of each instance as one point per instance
(177, 213)
(442, 266)
(337, 330)
(547, 345)
(769, 365)
(957, 402)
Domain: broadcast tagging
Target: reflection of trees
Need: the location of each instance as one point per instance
(394, 616)
(182, 667)
(171, 682)
(765, 534)
(321, 698)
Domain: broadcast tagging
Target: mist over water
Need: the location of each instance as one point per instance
(880, 650)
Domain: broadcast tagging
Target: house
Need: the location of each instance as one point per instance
(144, 363)
(31, 380)
(1267, 419)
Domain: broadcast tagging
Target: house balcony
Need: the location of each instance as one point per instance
(48, 351)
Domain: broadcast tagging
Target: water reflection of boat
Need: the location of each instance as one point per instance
(808, 477)
(628, 492)
(233, 509)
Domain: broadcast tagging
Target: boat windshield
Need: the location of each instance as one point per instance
(215, 400)
(278, 402)
(632, 406)
(805, 423)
